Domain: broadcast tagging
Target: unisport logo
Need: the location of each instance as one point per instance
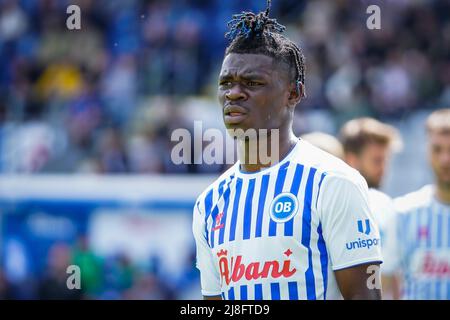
(363, 228)
(364, 243)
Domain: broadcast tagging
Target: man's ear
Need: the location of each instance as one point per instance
(296, 94)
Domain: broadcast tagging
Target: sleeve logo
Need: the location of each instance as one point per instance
(365, 230)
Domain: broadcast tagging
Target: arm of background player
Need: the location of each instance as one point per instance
(391, 287)
(392, 253)
(353, 283)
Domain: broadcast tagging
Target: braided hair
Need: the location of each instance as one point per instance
(259, 34)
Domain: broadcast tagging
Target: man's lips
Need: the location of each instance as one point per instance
(234, 114)
(234, 109)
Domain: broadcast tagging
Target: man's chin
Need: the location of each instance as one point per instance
(241, 132)
(444, 184)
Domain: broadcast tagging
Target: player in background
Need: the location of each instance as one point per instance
(420, 245)
(325, 142)
(368, 145)
(299, 226)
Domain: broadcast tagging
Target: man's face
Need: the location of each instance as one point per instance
(371, 163)
(254, 92)
(439, 157)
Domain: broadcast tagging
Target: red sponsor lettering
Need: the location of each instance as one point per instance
(434, 267)
(252, 270)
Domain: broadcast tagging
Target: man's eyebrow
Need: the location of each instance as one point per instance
(254, 74)
(245, 74)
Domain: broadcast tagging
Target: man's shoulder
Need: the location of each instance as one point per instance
(378, 196)
(382, 206)
(412, 201)
(326, 163)
(215, 185)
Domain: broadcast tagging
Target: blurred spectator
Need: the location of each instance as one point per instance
(106, 99)
(90, 268)
(54, 283)
(112, 153)
(147, 286)
(127, 53)
(119, 275)
(6, 291)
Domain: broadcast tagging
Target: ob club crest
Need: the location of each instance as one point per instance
(283, 207)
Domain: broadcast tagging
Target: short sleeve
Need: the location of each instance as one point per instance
(209, 276)
(350, 233)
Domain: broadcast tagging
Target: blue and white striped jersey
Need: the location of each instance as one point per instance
(420, 245)
(279, 233)
(382, 208)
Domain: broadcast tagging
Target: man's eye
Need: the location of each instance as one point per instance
(253, 83)
(225, 83)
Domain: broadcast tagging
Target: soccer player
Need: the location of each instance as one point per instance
(297, 228)
(421, 246)
(368, 145)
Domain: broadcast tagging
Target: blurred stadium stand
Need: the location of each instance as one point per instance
(85, 105)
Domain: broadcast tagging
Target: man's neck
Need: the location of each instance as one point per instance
(263, 153)
(443, 194)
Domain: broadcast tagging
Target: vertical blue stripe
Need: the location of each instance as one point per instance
(439, 229)
(402, 237)
(437, 288)
(234, 213)
(275, 291)
(293, 290)
(412, 289)
(258, 291)
(221, 186)
(248, 209)
(323, 259)
(427, 290)
(306, 236)
(214, 214)
(215, 211)
(244, 292)
(281, 176)
(448, 231)
(223, 296)
(320, 184)
(208, 205)
(226, 200)
(447, 293)
(430, 227)
(407, 289)
(295, 187)
(231, 294)
(261, 202)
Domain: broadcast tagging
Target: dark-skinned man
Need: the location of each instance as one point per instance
(297, 226)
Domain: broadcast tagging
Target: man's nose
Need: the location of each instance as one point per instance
(235, 93)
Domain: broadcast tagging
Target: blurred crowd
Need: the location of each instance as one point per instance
(115, 277)
(106, 98)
